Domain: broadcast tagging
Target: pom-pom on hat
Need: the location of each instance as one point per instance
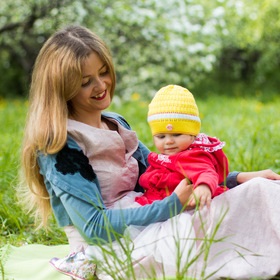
(173, 110)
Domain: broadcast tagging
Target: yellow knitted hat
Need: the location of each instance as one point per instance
(173, 110)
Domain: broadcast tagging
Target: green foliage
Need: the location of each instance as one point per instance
(249, 127)
(11, 116)
(15, 225)
(249, 42)
(153, 42)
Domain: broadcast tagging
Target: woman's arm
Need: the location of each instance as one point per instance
(76, 199)
(98, 223)
(267, 173)
(235, 178)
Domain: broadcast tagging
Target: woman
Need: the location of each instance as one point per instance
(80, 161)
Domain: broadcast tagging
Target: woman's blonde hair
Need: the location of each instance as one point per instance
(56, 79)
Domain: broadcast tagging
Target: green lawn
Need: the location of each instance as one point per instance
(249, 127)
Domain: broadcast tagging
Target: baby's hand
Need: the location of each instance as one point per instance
(201, 196)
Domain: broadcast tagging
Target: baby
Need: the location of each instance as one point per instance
(184, 152)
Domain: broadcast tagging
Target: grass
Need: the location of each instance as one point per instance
(249, 126)
(16, 227)
(121, 264)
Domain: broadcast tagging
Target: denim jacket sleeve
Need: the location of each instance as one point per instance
(231, 181)
(76, 199)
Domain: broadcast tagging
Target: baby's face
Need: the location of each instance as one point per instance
(170, 144)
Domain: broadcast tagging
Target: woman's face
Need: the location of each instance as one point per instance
(95, 92)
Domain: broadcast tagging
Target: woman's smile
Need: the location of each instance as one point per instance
(100, 96)
(95, 92)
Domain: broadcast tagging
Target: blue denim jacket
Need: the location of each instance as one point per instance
(76, 199)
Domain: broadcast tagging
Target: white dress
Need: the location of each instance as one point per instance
(110, 154)
(238, 237)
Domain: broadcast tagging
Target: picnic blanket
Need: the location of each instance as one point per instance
(31, 262)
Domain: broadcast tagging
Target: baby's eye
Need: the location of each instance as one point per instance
(177, 135)
(160, 136)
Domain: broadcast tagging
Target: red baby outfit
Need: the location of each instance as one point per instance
(204, 162)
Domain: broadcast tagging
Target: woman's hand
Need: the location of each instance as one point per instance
(267, 173)
(184, 191)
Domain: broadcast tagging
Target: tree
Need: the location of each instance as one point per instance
(25, 25)
(250, 47)
(153, 42)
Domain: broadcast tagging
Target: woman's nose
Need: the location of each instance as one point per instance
(98, 84)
